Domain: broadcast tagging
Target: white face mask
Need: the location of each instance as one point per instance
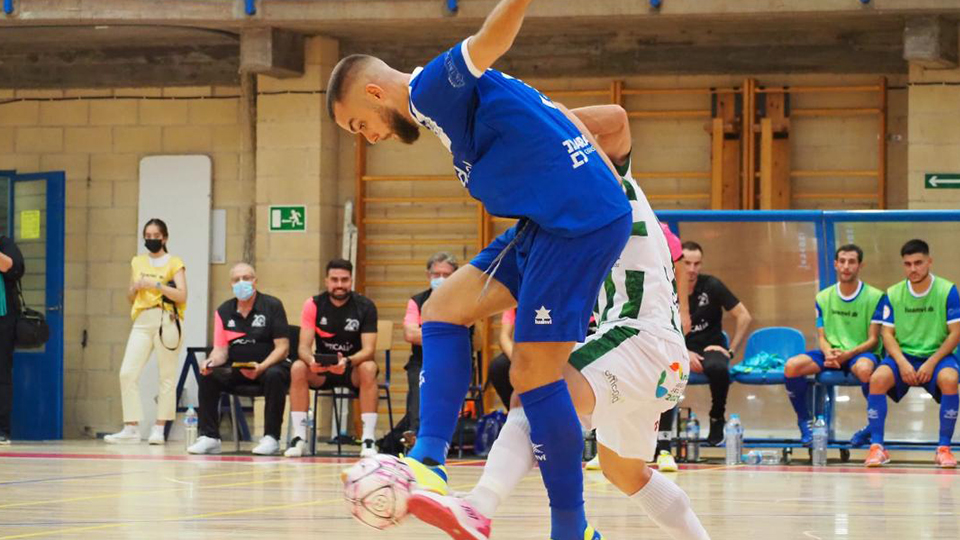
(436, 282)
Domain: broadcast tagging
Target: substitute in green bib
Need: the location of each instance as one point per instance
(921, 330)
(849, 315)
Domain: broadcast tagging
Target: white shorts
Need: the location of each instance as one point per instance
(635, 377)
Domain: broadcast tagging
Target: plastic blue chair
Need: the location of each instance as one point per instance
(780, 340)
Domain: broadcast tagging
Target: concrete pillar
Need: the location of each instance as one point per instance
(296, 155)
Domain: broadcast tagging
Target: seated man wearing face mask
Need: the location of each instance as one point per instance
(439, 267)
(248, 329)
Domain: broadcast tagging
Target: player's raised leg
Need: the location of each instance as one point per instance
(447, 351)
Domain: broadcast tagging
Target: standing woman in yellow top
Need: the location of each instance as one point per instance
(158, 291)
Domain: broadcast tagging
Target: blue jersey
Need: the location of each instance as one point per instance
(513, 149)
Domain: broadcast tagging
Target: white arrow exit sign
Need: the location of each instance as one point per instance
(941, 181)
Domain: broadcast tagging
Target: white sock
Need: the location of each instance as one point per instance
(669, 507)
(369, 425)
(299, 419)
(510, 459)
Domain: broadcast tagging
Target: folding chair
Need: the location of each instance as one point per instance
(240, 431)
(384, 343)
(474, 394)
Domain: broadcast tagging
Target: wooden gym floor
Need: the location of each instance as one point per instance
(90, 490)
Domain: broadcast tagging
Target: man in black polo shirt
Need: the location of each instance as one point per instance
(251, 327)
(709, 351)
(440, 266)
(343, 323)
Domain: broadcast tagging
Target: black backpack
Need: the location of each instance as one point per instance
(32, 329)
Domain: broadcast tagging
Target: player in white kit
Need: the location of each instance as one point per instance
(621, 378)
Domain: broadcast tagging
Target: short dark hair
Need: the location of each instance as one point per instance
(339, 264)
(690, 245)
(913, 247)
(340, 79)
(849, 247)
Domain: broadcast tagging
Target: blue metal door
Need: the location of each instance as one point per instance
(35, 219)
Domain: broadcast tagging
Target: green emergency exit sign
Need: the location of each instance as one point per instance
(941, 181)
(288, 218)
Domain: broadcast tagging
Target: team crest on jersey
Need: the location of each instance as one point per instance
(703, 300)
(231, 324)
(352, 325)
(323, 321)
(259, 321)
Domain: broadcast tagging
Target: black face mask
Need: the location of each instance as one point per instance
(153, 245)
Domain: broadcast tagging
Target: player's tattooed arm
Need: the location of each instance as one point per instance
(497, 34)
(610, 125)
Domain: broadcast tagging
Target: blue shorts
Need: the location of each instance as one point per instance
(555, 280)
(818, 358)
(900, 388)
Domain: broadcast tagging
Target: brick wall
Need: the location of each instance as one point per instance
(98, 138)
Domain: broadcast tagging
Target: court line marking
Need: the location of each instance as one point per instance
(208, 515)
(65, 478)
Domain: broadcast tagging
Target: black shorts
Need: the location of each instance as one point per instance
(343, 380)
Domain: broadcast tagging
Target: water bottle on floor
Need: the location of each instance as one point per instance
(733, 439)
(819, 449)
(692, 434)
(190, 427)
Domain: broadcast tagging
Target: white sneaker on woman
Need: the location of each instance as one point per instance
(267, 446)
(128, 435)
(156, 435)
(205, 445)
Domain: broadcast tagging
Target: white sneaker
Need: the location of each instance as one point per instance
(297, 448)
(594, 464)
(205, 445)
(156, 435)
(127, 435)
(367, 448)
(267, 446)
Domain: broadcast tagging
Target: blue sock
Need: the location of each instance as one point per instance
(797, 391)
(948, 417)
(558, 446)
(444, 382)
(876, 416)
(865, 389)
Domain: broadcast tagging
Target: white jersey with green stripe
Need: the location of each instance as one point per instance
(640, 291)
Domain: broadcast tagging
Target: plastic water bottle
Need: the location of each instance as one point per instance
(733, 439)
(190, 427)
(819, 449)
(762, 457)
(310, 427)
(692, 434)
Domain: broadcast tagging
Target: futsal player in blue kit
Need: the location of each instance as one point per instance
(525, 157)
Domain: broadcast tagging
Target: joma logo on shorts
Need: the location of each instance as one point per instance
(614, 391)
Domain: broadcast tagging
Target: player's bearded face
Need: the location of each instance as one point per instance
(407, 131)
